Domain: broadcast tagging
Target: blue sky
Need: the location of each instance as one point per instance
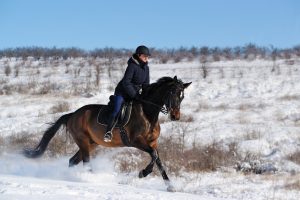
(90, 24)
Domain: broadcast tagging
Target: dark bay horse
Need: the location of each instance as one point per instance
(143, 128)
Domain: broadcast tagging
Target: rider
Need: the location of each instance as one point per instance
(136, 75)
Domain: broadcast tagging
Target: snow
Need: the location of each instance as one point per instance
(239, 101)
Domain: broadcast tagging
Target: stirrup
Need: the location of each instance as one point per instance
(108, 136)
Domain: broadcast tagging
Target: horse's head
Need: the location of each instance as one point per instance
(165, 95)
(175, 97)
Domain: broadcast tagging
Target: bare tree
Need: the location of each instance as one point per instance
(7, 70)
(227, 52)
(204, 52)
(274, 54)
(216, 54)
(98, 71)
(237, 52)
(250, 51)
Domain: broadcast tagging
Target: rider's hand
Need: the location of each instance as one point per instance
(138, 97)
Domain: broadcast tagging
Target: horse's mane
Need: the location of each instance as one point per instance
(166, 80)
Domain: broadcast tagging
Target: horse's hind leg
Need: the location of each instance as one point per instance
(85, 148)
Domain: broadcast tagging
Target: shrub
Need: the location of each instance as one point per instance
(60, 107)
(176, 159)
(295, 157)
(1, 143)
(196, 159)
(295, 185)
(131, 160)
(18, 141)
(7, 70)
(61, 144)
(290, 97)
(187, 118)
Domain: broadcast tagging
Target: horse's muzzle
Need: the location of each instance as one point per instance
(175, 114)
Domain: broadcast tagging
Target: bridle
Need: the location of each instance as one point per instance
(170, 101)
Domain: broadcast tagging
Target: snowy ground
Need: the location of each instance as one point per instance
(251, 103)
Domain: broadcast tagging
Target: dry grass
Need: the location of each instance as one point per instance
(197, 159)
(202, 106)
(44, 88)
(61, 144)
(21, 139)
(60, 107)
(222, 106)
(252, 134)
(295, 157)
(17, 142)
(1, 143)
(246, 106)
(292, 182)
(242, 118)
(293, 185)
(131, 160)
(290, 97)
(250, 106)
(186, 118)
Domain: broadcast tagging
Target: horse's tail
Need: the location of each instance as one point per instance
(48, 135)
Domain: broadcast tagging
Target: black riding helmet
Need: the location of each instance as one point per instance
(142, 50)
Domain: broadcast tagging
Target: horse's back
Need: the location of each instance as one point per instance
(93, 109)
(90, 107)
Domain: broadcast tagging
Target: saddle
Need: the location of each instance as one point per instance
(122, 118)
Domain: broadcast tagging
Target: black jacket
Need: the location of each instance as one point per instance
(136, 75)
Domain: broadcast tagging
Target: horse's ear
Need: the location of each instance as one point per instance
(175, 78)
(185, 85)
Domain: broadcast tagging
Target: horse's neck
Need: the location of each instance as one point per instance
(151, 114)
(151, 110)
(141, 113)
(155, 99)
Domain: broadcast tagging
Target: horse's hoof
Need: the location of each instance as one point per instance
(141, 175)
(87, 168)
(171, 188)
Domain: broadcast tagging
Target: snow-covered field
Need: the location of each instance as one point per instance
(254, 104)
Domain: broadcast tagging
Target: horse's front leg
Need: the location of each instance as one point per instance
(155, 159)
(164, 174)
(145, 172)
(75, 159)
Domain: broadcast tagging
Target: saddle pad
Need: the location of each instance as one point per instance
(123, 116)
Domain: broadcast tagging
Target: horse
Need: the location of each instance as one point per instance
(142, 129)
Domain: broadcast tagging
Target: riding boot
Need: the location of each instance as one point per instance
(110, 125)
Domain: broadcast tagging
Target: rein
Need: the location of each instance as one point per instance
(162, 109)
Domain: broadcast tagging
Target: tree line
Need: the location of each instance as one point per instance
(248, 51)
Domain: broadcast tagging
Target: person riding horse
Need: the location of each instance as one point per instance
(136, 76)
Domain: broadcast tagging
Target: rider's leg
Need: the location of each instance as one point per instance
(118, 101)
